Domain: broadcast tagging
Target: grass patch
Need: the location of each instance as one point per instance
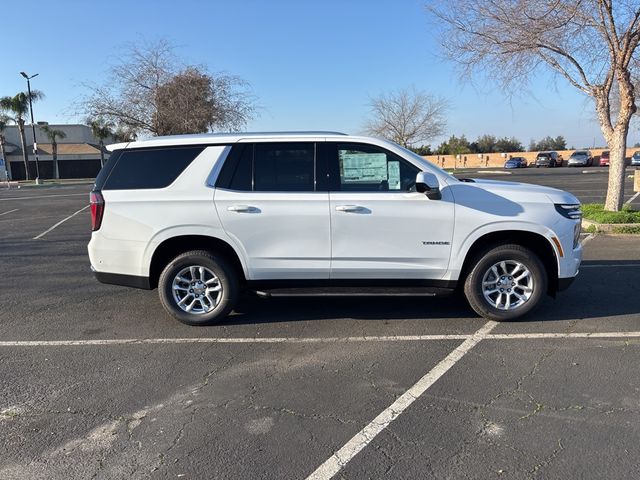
(597, 213)
(635, 229)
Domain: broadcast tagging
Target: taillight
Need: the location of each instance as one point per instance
(97, 209)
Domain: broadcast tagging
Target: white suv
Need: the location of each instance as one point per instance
(203, 217)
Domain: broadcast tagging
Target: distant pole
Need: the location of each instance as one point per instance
(33, 125)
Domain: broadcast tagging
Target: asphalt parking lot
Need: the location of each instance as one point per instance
(98, 382)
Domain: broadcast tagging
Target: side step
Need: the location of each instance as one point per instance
(355, 292)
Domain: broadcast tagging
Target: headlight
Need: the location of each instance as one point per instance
(571, 211)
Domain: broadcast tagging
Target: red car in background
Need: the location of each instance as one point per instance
(604, 158)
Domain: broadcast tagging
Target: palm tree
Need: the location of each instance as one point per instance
(18, 107)
(101, 129)
(53, 135)
(4, 120)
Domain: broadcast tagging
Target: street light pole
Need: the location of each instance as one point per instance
(33, 125)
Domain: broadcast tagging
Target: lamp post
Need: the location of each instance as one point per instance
(33, 125)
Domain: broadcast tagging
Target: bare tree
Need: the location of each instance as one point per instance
(407, 116)
(592, 44)
(149, 91)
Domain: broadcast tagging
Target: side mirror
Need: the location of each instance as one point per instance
(428, 184)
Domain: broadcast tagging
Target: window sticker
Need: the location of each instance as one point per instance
(394, 175)
(359, 167)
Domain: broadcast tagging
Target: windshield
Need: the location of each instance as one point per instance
(579, 154)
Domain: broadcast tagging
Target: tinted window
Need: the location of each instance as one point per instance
(367, 168)
(149, 168)
(106, 170)
(283, 167)
(241, 179)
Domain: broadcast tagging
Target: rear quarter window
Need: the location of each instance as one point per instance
(147, 168)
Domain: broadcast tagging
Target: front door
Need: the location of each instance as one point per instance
(380, 226)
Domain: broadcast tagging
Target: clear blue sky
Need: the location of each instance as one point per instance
(312, 65)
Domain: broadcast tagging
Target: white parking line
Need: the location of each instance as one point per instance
(14, 210)
(339, 459)
(45, 196)
(60, 223)
(381, 338)
(633, 198)
(147, 341)
(518, 336)
(611, 265)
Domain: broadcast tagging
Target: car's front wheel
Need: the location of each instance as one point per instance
(506, 282)
(198, 288)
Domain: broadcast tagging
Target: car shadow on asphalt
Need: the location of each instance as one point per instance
(585, 299)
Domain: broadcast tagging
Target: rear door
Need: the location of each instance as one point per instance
(381, 227)
(271, 202)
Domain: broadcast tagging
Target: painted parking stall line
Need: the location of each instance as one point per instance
(60, 223)
(343, 456)
(156, 341)
(44, 196)
(312, 340)
(10, 211)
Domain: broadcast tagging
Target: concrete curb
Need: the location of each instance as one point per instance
(606, 227)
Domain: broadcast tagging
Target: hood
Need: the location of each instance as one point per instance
(525, 192)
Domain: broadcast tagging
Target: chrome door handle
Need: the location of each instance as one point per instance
(350, 208)
(243, 209)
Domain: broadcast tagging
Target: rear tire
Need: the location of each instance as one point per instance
(500, 269)
(203, 281)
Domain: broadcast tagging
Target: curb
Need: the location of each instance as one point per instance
(607, 227)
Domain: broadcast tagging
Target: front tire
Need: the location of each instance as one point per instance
(198, 288)
(506, 283)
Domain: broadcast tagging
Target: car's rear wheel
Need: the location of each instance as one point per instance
(506, 283)
(198, 288)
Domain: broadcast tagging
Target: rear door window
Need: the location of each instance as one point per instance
(270, 167)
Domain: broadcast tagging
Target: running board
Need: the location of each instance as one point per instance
(354, 292)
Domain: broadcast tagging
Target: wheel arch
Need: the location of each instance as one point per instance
(541, 245)
(174, 246)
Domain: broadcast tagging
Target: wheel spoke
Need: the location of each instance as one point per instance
(184, 299)
(201, 271)
(212, 303)
(190, 306)
(182, 289)
(212, 280)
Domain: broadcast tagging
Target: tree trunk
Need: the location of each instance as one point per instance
(101, 154)
(54, 151)
(25, 153)
(615, 189)
(3, 154)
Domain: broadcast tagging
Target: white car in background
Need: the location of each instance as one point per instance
(202, 217)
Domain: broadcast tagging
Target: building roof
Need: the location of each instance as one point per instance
(69, 149)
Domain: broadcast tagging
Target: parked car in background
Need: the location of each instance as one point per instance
(635, 159)
(548, 159)
(604, 158)
(516, 162)
(580, 158)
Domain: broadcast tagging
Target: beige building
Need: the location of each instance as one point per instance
(78, 153)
